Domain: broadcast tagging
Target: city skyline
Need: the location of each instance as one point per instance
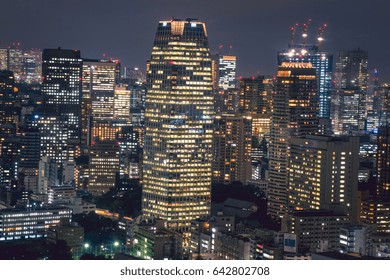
(252, 30)
(238, 150)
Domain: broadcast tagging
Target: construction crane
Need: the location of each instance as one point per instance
(320, 36)
(230, 49)
(304, 31)
(220, 47)
(292, 36)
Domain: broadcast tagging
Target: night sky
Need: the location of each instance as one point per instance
(256, 29)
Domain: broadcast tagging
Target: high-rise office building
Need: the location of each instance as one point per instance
(137, 105)
(122, 104)
(103, 166)
(224, 83)
(179, 125)
(11, 60)
(98, 99)
(227, 72)
(61, 91)
(232, 149)
(47, 175)
(295, 113)
(382, 195)
(7, 96)
(349, 112)
(322, 174)
(323, 63)
(3, 59)
(255, 100)
(252, 96)
(32, 66)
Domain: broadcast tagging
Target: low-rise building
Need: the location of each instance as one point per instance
(156, 242)
(31, 222)
(317, 231)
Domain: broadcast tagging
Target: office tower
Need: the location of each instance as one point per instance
(227, 72)
(122, 104)
(215, 72)
(382, 195)
(7, 96)
(295, 113)
(179, 125)
(118, 70)
(98, 99)
(349, 95)
(323, 63)
(32, 66)
(255, 100)
(3, 59)
(103, 166)
(47, 175)
(9, 123)
(54, 138)
(131, 152)
(61, 91)
(232, 149)
(382, 104)
(323, 174)
(373, 102)
(15, 61)
(135, 75)
(9, 160)
(128, 139)
(137, 105)
(11, 60)
(224, 83)
(252, 96)
(29, 157)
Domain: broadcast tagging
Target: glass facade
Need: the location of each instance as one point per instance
(178, 125)
(295, 113)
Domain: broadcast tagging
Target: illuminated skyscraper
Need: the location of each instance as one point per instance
(103, 166)
(252, 97)
(32, 66)
(232, 149)
(61, 88)
(295, 113)
(227, 72)
(179, 125)
(349, 112)
(224, 83)
(61, 91)
(382, 196)
(7, 96)
(323, 63)
(11, 60)
(122, 104)
(323, 172)
(98, 99)
(255, 100)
